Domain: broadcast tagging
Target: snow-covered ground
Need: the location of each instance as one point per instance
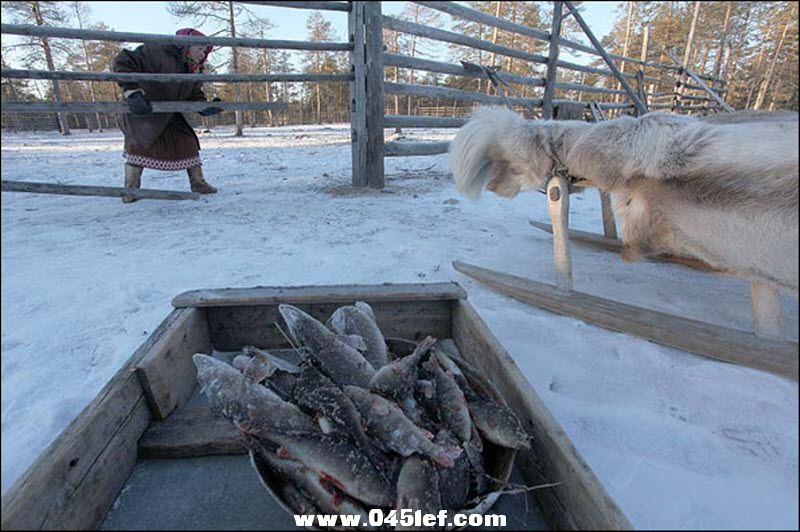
(678, 440)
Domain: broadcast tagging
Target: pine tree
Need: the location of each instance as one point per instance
(40, 14)
(320, 62)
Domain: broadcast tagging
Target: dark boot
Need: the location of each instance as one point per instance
(133, 179)
(197, 182)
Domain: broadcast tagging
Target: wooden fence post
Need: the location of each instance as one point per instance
(552, 59)
(373, 31)
(767, 318)
(609, 223)
(558, 205)
(358, 95)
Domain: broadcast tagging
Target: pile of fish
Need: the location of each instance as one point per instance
(352, 427)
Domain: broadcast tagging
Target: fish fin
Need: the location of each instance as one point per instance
(354, 340)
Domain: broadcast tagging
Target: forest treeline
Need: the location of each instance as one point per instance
(751, 46)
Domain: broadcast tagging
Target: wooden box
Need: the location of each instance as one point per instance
(75, 482)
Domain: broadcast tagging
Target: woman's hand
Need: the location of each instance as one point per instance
(209, 111)
(138, 104)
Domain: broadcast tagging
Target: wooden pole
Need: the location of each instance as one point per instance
(373, 53)
(552, 62)
(358, 95)
(324, 6)
(121, 36)
(609, 224)
(81, 190)
(558, 206)
(609, 62)
(713, 341)
(767, 318)
(122, 107)
(14, 73)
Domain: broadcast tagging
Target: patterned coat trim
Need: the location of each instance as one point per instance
(159, 164)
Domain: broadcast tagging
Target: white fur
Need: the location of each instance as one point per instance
(722, 189)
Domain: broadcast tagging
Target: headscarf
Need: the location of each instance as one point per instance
(193, 67)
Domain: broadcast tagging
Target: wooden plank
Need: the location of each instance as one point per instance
(712, 341)
(767, 318)
(579, 502)
(170, 78)
(586, 88)
(272, 295)
(558, 206)
(234, 327)
(594, 240)
(98, 490)
(321, 6)
(609, 224)
(358, 96)
(431, 91)
(402, 149)
(404, 61)
(611, 105)
(640, 107)
(686, 107)
(698, 87)
(121, 36)
(167, 372)
(85, 190)
(616, 245)
(405, 26)
(595, 70)
(552, 62)
(373, 38)
(92, 449)
(191, 432)
(122, 107)
(456, 10)
(409, 121)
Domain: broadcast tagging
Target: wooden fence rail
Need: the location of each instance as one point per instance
(423, 121)
(404, 61)
(170, 78)
(119, 36)
(122, 107)
(432, 91)
(395, 24)
(319, 6)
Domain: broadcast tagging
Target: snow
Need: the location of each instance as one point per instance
(678, 440)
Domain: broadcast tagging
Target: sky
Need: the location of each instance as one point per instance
(152, 17)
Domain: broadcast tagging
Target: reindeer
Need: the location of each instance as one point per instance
(722, 189)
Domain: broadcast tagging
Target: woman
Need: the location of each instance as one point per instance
(162, 141)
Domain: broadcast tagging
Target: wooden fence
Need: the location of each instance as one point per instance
(551, 92)
(369, 89)
(76, 109)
